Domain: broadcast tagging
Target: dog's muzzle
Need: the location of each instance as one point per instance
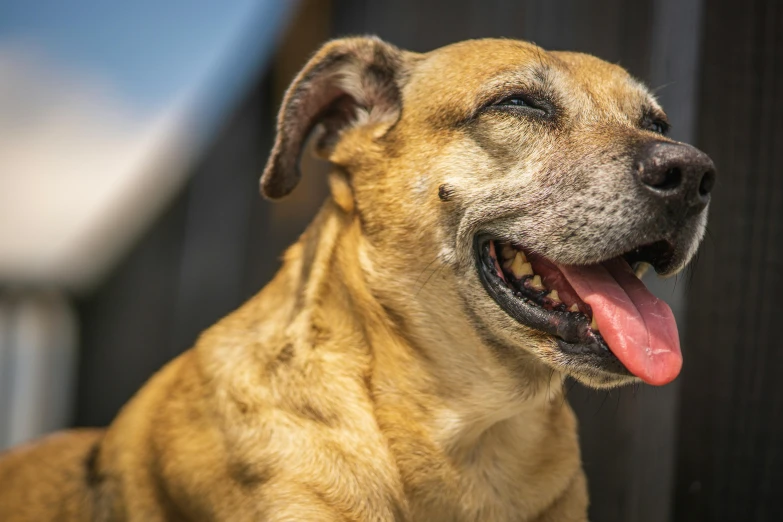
(602, 316)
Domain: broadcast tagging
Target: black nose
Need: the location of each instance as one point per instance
(681, 175)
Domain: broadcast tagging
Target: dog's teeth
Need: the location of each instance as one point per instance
(537, 284)
(593, 324)
(511, 258)
(573, 308)
(507, 252)
(519, 268)
(641, 269)
(554, 297)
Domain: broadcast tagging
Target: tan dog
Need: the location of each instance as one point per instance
(406, 363)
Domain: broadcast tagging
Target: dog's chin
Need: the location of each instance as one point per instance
(532, 290)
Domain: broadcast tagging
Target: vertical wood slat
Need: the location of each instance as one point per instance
(126, 323)
(221, 197)
(730, 464)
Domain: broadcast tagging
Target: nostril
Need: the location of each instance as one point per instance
(671, 179)
(707, 183)
(663, 178)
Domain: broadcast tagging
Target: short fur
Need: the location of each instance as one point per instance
(373, 378)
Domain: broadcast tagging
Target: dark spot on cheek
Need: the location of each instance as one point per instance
(445, 192)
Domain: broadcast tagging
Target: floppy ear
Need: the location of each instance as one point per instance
(349, 82)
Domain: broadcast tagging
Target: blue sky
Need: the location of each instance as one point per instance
(146, 50)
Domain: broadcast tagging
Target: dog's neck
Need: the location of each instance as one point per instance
(455, 398)
(452, 417)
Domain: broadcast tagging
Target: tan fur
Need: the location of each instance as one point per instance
(373, 378)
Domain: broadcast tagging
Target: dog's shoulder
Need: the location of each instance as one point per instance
(273, 402)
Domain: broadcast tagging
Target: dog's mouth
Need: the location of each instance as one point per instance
(602, 316)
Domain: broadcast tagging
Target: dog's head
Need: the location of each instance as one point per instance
(509, 187)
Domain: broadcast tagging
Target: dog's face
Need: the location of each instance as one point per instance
(533, 182)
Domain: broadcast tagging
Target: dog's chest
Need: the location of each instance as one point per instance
(493, 487)
(514, 472)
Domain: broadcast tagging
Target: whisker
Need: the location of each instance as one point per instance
(426, 267)
(438, 269)
(567, 391)
(606, 396)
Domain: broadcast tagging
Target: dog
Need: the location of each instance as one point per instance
(489, 205)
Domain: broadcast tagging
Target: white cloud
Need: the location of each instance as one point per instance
(81, 172)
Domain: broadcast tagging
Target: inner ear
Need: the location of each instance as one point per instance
(348, 83)
(343, 112)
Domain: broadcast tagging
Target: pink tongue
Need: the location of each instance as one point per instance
(638, 327)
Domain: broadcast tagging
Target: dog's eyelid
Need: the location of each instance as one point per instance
(518, 101)
(657, 124)
(521, 98)
(655, 121)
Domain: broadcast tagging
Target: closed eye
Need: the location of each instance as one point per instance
(522, 104)
(656, 125)
(514, 101)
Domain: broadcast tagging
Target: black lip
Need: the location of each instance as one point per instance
(571, 330)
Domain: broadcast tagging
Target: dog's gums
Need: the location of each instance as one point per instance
(539, 294)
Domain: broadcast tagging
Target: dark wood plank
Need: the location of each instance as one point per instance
(730, 463)
(221, 196)
(126, 323)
